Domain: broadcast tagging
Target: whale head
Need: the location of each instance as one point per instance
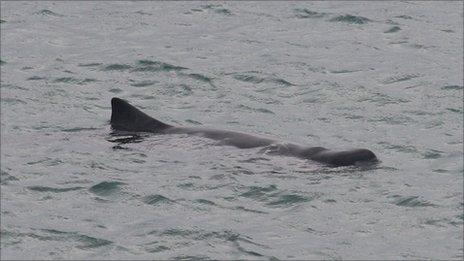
(345, 158)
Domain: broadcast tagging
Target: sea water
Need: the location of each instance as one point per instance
(387, 76)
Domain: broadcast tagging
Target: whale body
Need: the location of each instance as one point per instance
(125, 117)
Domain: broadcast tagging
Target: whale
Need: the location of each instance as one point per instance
(127, 118)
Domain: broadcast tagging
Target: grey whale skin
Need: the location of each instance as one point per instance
(125, 117)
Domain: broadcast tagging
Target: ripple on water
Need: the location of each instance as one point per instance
(85, 242)
(72, 80)
(52, 189)
(382, 99)
(143, 83)
(255, 77)
(115, 90)
(274, 198)
(344, 71)
(305, 13)
(219, 9)
(458, 111)
(404, 17)
(248, 78)
(106, 188)
(204, 235)
(116, 67)
(5, 177)
(223, 11)
(125, 139)
(46, 12)
(452, 88)
(432, 154)
(460, 216)
(261, 110)
(421, 113)
(12, 101)
(447, 31)
(157, 199)
(257, 192)
(190, 258)
(36, 78)
(352, 116)
(9, 237)
(435, 222)
(351, 19)
(399, 148)
(288, 200)
(176, 90)
(154, 247)
(200, 77)
(78, 129)
(47, 161)
(140, 12)
(89, 64)
(155, 66)
(410, 201)
(250, 210)
(194, 122)
(205, 202)
(393, 29)
(192, 187)
(397, 120)
(400, 78)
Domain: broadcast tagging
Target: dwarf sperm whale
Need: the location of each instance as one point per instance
(125, 117)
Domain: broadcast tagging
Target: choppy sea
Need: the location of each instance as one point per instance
(387, 76)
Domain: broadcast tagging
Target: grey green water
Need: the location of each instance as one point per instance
(387, 76)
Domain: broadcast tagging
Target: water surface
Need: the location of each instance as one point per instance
(387, 76)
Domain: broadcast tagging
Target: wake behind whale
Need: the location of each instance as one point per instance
(125, 117)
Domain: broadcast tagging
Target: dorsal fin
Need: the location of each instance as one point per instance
(126, 117)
